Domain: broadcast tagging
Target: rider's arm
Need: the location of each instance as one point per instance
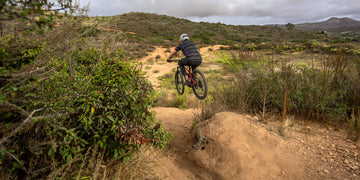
(172, 54)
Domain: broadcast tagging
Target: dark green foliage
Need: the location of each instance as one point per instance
(290, 26)
(16, 52)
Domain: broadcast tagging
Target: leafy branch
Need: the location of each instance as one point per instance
(36, 11)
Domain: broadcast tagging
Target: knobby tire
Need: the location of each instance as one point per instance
(201, 87)
(179, 82)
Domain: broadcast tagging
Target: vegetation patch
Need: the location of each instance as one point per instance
(62, 102)
(260, 85)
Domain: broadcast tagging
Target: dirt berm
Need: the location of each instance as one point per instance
(238, 147)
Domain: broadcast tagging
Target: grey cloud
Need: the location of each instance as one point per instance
(232, 11)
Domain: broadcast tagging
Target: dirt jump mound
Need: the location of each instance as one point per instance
(236, 148)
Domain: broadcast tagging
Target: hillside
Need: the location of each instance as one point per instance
(334, 25)
(164, 30)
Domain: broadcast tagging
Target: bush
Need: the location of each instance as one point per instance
(326, 93)
(55, 115)
(16, 52)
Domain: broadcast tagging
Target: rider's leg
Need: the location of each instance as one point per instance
(182, 63)
(188, 62)
(195, 63)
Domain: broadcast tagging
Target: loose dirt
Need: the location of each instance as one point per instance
(246, 147)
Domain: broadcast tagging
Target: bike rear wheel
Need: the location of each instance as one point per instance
(200, 88)
(179, 82)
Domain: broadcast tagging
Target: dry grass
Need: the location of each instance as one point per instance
(354, 126)
(140, 166)
(93, 166)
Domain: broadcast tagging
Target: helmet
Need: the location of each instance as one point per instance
(183, 37)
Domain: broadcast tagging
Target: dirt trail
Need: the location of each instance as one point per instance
(242, 147)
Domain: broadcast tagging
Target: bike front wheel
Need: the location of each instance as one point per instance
(200, 87)
(179, 82)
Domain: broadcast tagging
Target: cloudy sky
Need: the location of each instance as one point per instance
(236, 12)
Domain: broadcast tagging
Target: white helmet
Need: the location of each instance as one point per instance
(183, 37)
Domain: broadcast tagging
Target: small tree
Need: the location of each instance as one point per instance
(290, 26)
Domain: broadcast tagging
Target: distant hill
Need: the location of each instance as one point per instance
(164, 30)
(333, 25)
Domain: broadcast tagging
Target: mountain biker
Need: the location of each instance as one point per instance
(192, 55)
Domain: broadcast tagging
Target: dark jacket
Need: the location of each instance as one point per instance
(190, 50)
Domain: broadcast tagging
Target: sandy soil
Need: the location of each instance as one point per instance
(245, 147)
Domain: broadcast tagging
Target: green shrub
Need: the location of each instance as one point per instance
(16, 52)
(90, 100)
(326, 93)
(251, 46)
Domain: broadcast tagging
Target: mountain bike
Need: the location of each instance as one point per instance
(197, 81)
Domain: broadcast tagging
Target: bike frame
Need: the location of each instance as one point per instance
(194, 83)
(188, 70)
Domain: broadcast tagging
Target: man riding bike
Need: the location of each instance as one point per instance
(192, 55)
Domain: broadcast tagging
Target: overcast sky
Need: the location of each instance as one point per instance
(236, 12)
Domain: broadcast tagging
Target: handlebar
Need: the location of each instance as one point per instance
(173, 60)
